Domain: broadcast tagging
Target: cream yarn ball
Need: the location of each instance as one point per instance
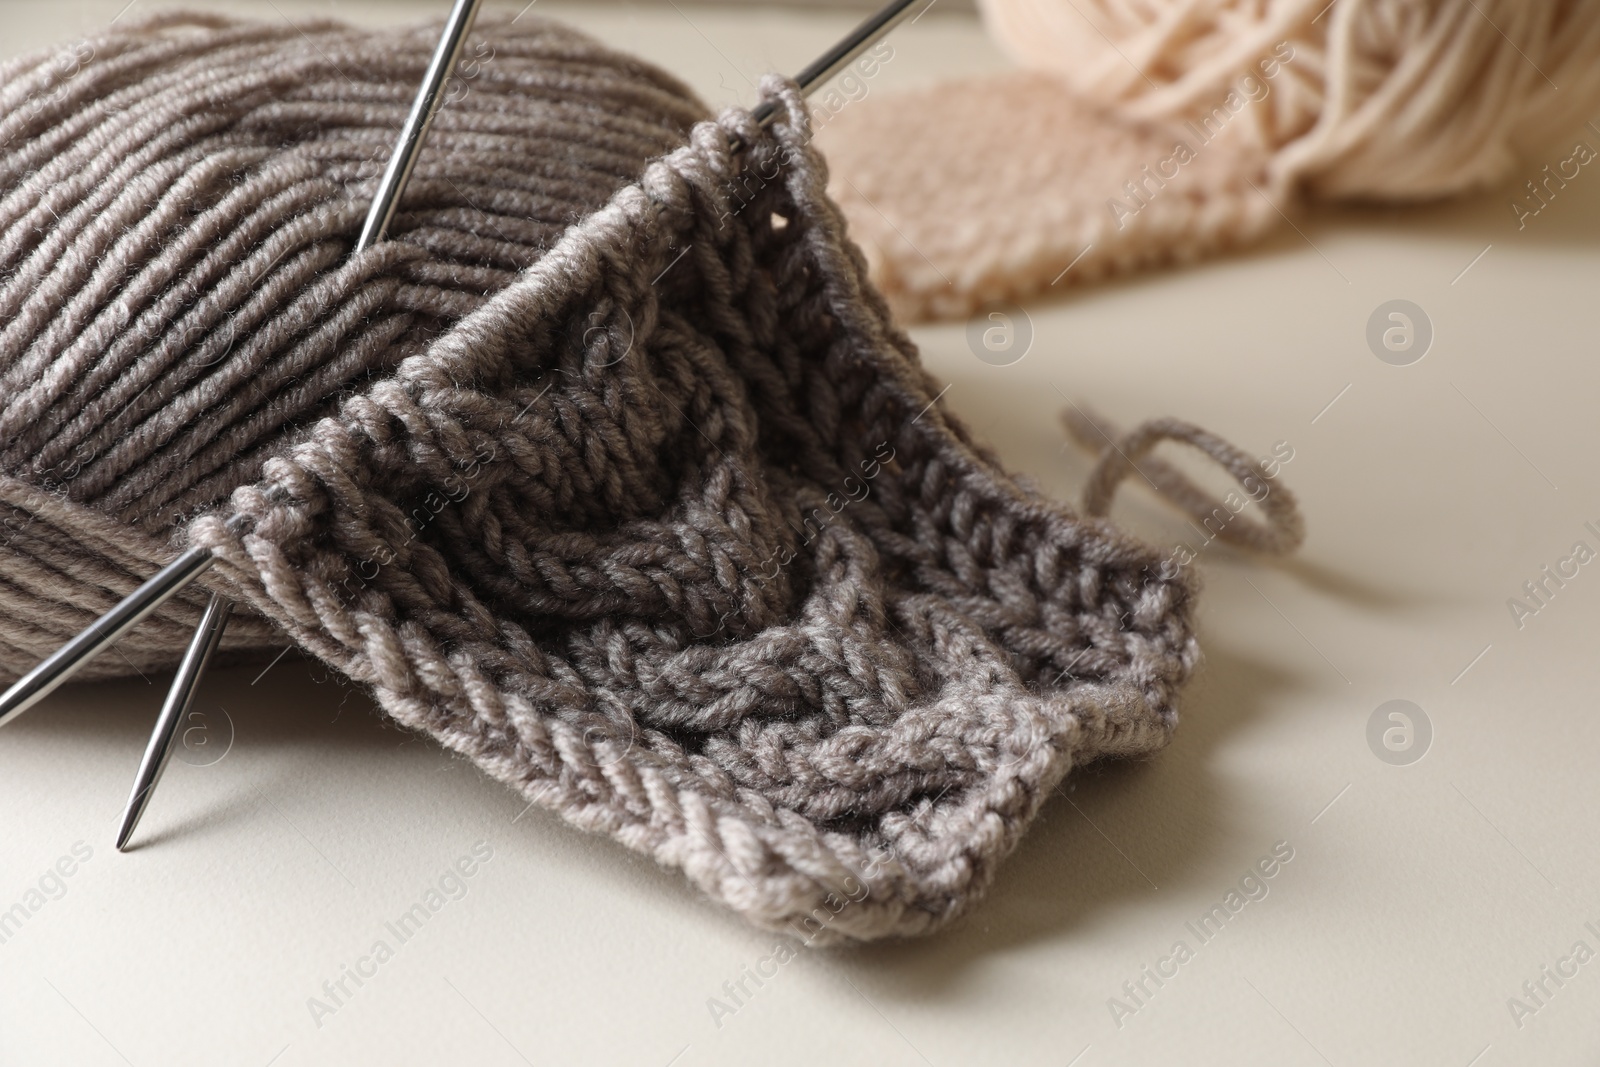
(1393, 99)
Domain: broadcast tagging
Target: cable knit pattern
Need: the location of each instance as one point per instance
(663, 524)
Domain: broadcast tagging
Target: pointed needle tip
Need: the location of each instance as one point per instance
(130, 820)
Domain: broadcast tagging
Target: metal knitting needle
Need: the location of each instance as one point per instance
(872, 29)
(208, 635)
(103, 632)
(418, 123)
(159, 750)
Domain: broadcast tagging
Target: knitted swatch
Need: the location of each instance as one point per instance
(1074, 203)
(654, 515)
(1149, 132)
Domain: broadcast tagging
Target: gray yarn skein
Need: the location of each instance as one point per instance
(177, 203)
(656, 519)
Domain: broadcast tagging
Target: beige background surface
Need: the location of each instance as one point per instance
(1419, 899)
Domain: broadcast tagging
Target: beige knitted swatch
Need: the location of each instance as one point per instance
(992, 189)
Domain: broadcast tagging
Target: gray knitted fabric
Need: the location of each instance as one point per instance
(654, 516)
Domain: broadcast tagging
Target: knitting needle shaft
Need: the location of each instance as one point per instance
(103, 632)
(179, 699)
(176, 576)
(841, 55)
(208, 635)
(415, 131)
